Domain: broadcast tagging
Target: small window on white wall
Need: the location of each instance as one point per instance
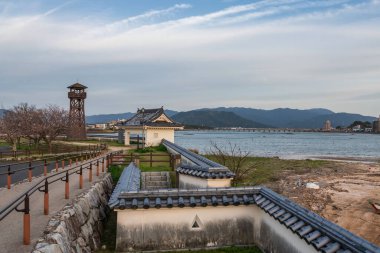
(196, 224)
(155, 135)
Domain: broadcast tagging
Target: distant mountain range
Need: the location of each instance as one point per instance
(211, 118)
(249, 117)
(103, 118)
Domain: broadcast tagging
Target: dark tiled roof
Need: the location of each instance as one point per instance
(129, 181)
(77, 86)
(201, 166)
(203, 172)
(147, 116)
(186, 198)
(322, 234)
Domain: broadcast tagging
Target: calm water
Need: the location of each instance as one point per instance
(294, 145)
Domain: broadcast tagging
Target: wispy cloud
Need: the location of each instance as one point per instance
(147, 16)
(264, 54)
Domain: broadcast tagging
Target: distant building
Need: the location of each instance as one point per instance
(150, 125)
(376, 126)
(101, 126)
(357, 128)
(327, 126)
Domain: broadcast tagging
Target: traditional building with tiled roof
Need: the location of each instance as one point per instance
(150, 125)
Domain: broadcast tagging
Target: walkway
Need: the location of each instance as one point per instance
(11, 227)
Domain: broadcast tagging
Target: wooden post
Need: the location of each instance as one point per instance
(70, 163)
(177, 160)
(136, 160)
(81, 178)
(56, 165)
(151, 158)
(67, 186)
(63, 163)
(9, 179)
(46, 198)
(26, 221)
(97, 168)
(90, 173)
(103, 165)
(45, 168)
(30, 172)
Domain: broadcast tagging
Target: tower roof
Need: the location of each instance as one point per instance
(77, 86)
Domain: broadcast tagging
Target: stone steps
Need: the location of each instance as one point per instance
(155, 180)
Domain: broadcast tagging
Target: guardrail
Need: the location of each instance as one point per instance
(42, 185)
(13, 168)
(45, 151)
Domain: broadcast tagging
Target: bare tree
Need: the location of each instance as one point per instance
(29, 118)
(54, 121)
(233, 157)
(11, 127)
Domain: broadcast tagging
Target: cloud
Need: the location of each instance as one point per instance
(266, 54)
(147, 16)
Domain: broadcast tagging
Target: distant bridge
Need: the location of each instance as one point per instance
(261, 130)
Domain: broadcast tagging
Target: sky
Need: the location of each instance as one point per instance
(190, 54)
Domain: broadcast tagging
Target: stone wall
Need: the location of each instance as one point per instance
(78, 226)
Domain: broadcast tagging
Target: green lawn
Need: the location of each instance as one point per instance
(268, 169)
(147, 168)
(108, 142)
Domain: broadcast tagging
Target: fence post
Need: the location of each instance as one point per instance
(9, 180)
(90, 173)
(67, 186)
(136, 160)
(63, 162)
(81, 178)
(46, 198)
(151, 158)
(177, 160)
(97, 168)
(56, 165)
(103, 165)
(45, 168)
(26, 221)
(70, 162)
(30, 172)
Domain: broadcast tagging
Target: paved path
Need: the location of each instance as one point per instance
(11, 227)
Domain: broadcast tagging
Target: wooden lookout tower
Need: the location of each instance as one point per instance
(77, 124)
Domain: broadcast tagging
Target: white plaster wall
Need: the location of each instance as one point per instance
(127, 138)
(152, 140)
(190, 182)
(136, 229)
(215, 183)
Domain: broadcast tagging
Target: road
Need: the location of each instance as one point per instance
(11, 227)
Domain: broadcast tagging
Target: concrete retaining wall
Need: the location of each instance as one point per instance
(78, 226)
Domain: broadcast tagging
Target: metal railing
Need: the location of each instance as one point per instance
(44, 151)
(14, 168)
(42, 185)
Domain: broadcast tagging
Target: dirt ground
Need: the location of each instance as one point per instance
(345, 189)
